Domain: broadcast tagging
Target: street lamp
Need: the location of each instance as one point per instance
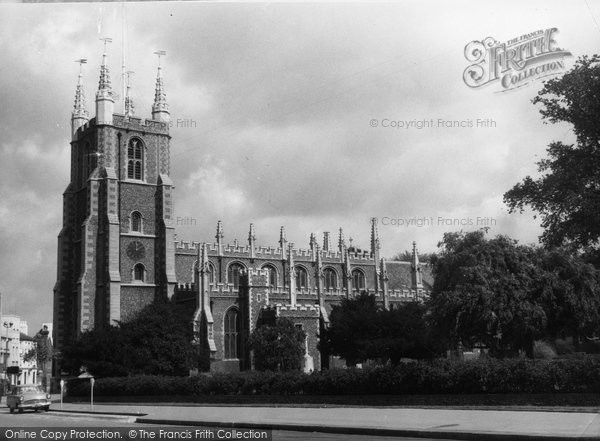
(7, 325)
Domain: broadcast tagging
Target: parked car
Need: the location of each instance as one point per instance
(28, 396)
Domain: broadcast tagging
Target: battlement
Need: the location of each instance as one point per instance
(136, 123)
(187, 245)
(301, 254)
(298, 307)
(363, 255)
(86, 126)
(268, 251)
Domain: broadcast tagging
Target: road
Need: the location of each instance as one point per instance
(58, 419)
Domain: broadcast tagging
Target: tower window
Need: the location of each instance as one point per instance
(135, 159)
(330, 278)
(231, 334)
(301, 278)
(272, 281)
(233, 274)
(358, 280)
(139, 272)
(136, 222)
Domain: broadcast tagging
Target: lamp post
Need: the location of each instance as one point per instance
(8, 326)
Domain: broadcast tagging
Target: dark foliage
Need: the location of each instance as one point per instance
(157, 341)
(278, 345)
(567, 194)
(419, 377)
(505, 295)
(361, 330)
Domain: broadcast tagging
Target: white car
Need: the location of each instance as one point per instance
(28, 396)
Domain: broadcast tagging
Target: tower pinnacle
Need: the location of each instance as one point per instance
(104, 96)
(160, 108)
(129, 107)
(80, 115)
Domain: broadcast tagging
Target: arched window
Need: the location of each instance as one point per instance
(358, 280)
(330, 278)
(233, 274)
(231, 334)
(139, 272)
(301, 278)
(136, 222)
(211, 273)
(135, 159)
(272, 274)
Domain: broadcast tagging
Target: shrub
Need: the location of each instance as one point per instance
(417, 377)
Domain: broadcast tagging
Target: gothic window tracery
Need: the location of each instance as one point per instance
(301, 278)
(231, 334)
(358, 280)
(330, 278)
(136, 222)
(135, 159)
(233, 274)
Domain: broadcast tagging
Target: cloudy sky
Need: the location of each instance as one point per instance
(280, 101)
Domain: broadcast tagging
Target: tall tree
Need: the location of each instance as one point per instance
(483, 292)
(567, 194)
(360, 329)
(277, 345)
(507, 295)
(158, 340)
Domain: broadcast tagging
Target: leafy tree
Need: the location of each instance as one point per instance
(506, 295)
(569, 289)
(360, 329)
(483, 292)
(157, 341)
(352, 327)
(405, 333)
(567, 194)
(43, 353)
(278, 345)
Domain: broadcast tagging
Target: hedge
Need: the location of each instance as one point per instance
(420, 377)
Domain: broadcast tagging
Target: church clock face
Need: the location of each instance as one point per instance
(136, 250)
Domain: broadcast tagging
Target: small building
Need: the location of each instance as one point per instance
(15, 346)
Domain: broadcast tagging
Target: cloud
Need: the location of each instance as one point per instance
(275, 103)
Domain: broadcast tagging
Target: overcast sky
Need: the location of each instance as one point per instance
(279, 100)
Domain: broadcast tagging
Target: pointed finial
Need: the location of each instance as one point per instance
(219, 235)
(341, 242)
(313, 240)
(204, 257)
(104, 89)
(79, 110)
(129, 107)
(374, 235)
(160, 108)
(251, 234)
(282, 238)
(415, 254)
(326, 241)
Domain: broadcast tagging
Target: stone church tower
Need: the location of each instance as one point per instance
(116, 247)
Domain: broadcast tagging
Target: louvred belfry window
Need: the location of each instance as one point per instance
(135, 160)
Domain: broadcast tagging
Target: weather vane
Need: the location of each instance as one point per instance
(129, 73)
(160, 54)
(81, 62)
(106, 40)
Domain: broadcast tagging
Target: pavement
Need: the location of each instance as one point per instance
(465, 424)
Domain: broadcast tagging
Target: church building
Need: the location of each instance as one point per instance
(118, 252)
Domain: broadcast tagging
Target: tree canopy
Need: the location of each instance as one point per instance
(567, 193)
(360, 329)
(505, 295)
(158, 341)
(278, 345)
